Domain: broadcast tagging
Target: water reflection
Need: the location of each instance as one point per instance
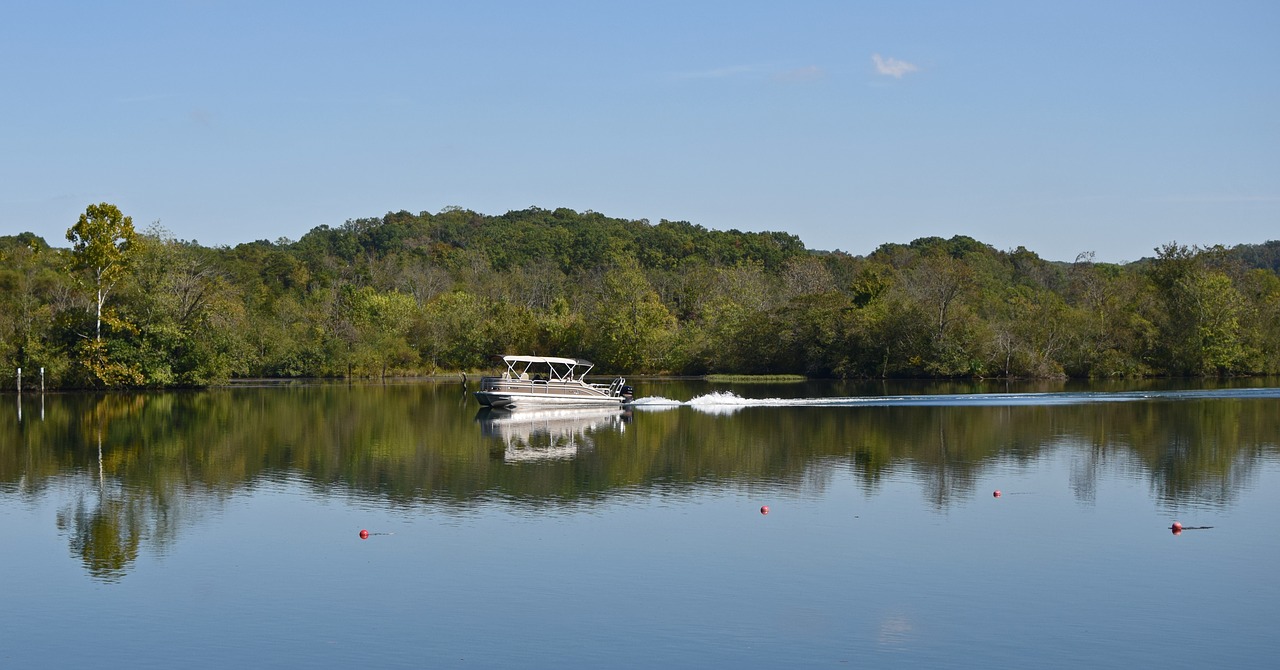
(547, 434)
(141, 467)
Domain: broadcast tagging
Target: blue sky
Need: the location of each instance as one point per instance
(1063, 127)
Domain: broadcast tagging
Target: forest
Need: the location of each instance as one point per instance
(430, 294)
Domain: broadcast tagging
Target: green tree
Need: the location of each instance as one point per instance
(381, 323)
(939, 287)
(189, 319)
(102, 242)
(452, 332)
(1031, 329)
(634, 325)
(1261, 321)
(730, 330)
(1200, 320)
(31, 278)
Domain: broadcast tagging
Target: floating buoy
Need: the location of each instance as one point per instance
(1176, 528)
(364, 534)
(764, 509)
(995, 494)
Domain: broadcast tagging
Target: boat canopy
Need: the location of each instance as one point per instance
(576, 362)
(560, 368)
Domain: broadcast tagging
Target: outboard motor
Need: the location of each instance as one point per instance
(628, 394)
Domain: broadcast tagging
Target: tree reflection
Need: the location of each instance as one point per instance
(147, 465)
(104, 530)
(105, 536)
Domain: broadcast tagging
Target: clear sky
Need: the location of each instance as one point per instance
(1063, 127)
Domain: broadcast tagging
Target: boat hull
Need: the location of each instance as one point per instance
(511, 398)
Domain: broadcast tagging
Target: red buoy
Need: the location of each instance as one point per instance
(1176, 528)
(996, 493)
(764, 509)
(364, 534)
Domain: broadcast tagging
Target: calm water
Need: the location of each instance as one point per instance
(220, 529)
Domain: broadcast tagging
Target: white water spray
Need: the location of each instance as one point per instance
(727, 402)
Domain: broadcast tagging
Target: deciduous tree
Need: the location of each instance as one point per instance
(102, 242)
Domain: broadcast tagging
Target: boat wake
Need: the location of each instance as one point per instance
(727, 402)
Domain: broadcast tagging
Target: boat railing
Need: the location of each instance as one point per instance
(543, 386)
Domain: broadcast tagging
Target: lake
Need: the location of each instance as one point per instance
(221, 528)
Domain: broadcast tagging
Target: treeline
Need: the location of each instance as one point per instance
(410, 294)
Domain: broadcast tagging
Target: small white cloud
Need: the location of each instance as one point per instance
(892, 67)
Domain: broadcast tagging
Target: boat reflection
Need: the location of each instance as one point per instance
(547, 434)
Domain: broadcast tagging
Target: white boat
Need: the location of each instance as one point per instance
(548, 381)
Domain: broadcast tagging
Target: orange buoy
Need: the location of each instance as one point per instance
(364, 534)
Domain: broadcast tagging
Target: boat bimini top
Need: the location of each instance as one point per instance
(560, 369)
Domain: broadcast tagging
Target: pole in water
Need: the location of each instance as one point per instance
(19, 380)
(42, 379)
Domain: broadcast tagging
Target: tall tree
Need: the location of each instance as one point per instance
(102, 242)
(30, 279)
(1200, 323)
(633, 324)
